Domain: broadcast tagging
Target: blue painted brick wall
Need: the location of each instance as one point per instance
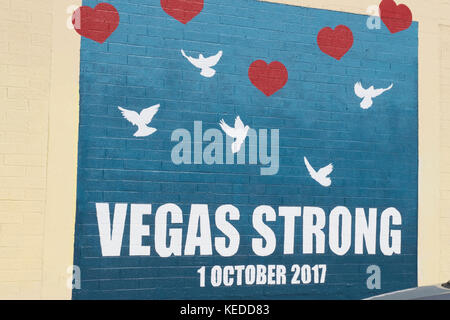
(374, 151)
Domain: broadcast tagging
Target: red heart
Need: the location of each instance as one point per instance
(269, 78)
(335, 43)
(182, 10)
(396, 17)
(96, 24)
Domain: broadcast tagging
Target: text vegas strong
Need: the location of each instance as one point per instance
(369, 230)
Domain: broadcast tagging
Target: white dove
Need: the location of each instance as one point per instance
(320, 176)
(368, 94)
(141, 120)
(204, 64)
(239, 133)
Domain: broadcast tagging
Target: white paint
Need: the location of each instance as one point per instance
(227, 229)
(320, 176)
(313, 230)
(111, 242)
(340, 242)
(365, 231)
(228, 271)
(198, 219)
(204, 64)
(289, 214)
(175, 234)
(368, 94)
(269, 236)
(390, 240)
(339, 224)
(141, 120)
(239, 133)
(138, 229)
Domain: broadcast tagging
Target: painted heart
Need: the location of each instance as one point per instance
(396, 17)
(269, 78)
(335, 43)
(182, 10)
(96, 24)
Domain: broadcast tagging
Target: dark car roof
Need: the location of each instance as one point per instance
(437, 292)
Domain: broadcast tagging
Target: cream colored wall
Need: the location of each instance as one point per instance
(445, 152)
(39, 61)
(39, 66)
(25, 61)
(62, 155)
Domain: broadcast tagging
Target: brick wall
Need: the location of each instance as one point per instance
(374, 151)
(27, 265)
(444, 230)
(25, 60)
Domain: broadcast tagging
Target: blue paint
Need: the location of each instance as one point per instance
(374, 151)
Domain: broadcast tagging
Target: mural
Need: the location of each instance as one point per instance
(173, 202)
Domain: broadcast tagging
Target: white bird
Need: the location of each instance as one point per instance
(320, 176)
(204, 64)
(141, 120)
(239, 133)
(368, 94)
